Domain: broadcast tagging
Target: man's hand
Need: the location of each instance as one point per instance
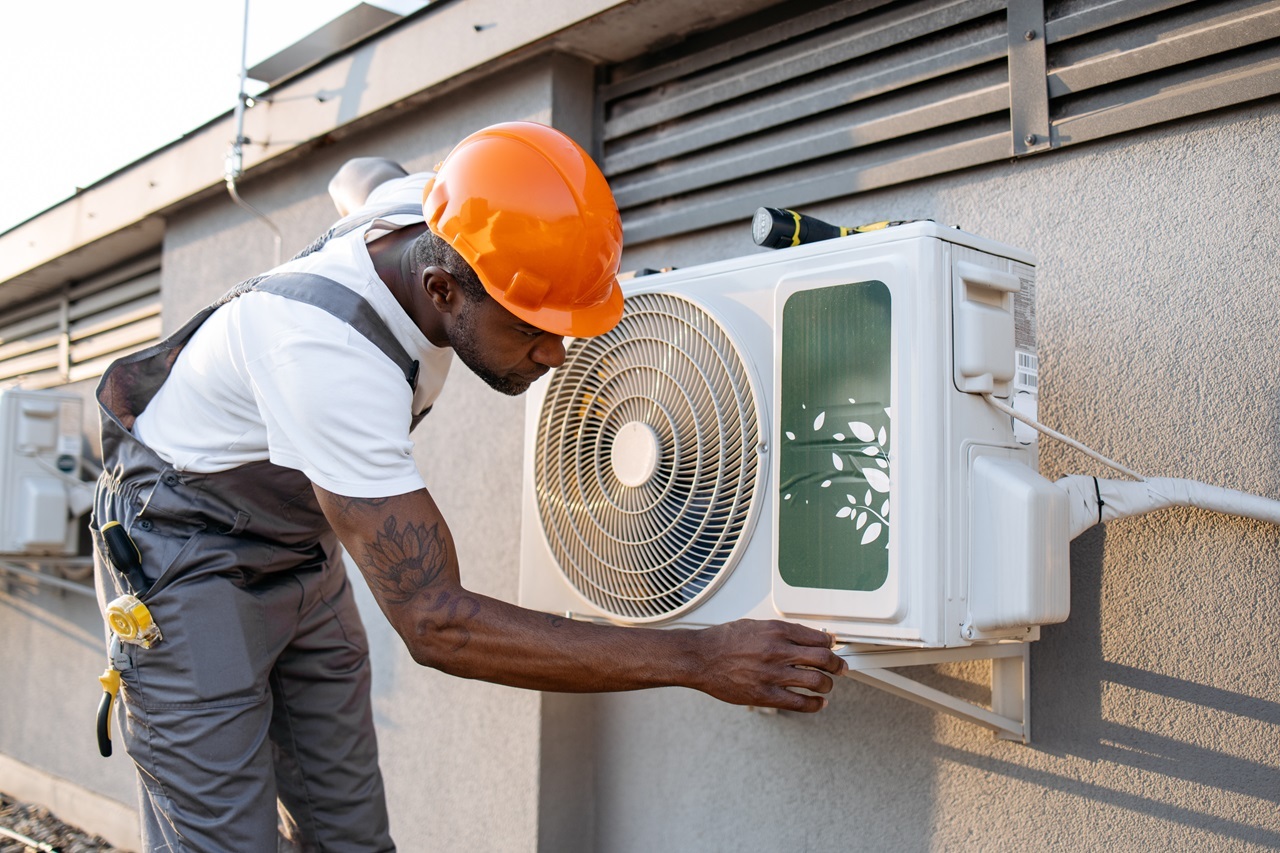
(406, 553)
(753, 663)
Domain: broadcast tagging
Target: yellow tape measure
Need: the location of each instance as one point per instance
(131, 621)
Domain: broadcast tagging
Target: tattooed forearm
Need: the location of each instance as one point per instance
(452, 604)
(401, 562)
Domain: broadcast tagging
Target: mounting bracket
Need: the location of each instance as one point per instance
(1010, 713)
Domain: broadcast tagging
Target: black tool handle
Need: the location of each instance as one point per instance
(104, 723)
(777, 228)
(124, 555)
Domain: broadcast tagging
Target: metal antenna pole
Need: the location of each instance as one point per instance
(235, 157)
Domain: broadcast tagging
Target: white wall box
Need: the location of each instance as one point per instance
(40, 458)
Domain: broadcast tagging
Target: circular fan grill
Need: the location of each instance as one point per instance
(646, 460)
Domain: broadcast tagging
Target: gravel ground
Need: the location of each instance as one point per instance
(49, 833)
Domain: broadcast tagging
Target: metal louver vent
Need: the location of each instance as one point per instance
(814, 101)
(646, 461)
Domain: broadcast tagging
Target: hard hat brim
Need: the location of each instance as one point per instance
(580, 322)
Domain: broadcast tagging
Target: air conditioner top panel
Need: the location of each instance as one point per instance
(882, 238)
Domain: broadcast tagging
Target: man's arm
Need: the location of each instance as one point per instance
(403, 547)
(351, 186)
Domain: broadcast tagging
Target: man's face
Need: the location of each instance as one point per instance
(503, 350)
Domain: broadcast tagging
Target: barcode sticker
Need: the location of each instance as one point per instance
(1026, 376)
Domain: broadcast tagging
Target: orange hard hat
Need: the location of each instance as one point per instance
(531, 213)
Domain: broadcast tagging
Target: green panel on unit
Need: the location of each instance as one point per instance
(833, 499)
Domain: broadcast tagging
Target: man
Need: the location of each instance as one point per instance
(279, 417)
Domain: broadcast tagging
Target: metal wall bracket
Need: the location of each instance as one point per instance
(1010, 713)
(1028, 78)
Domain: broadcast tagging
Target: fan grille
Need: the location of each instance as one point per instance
(646, 460)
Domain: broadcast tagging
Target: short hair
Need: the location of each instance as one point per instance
(432, 250)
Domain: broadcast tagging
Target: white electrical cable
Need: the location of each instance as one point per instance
(1094, 501)
(1034, 424)
(30, 843)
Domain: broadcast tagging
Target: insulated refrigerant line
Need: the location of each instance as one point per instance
(1094, 501)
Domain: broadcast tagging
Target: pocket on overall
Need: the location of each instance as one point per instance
(214, 634)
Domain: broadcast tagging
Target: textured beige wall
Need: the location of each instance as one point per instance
(1156, 706)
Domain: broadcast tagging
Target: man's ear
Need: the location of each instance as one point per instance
(442, 289)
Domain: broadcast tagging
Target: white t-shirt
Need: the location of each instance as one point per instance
(267, 377)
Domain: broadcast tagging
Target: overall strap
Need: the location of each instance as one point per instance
(343, 303)
(130, 382)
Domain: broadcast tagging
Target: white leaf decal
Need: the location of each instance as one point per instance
(817, 422)
(839, 436)
(837, 461)
(825, 484)
(867, 500)
(845, 512)
(852, 499)
(862, 519)
(882, 463)
(851, 400)
(791, 435)
(786, 497)
(884, 510)
(872, 531)
(876, 479)
(882, 438)
(864, 432)
(888, 413)
(871, 451)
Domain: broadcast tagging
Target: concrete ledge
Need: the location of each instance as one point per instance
(80, 807)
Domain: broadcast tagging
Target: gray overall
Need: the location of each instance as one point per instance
(260, 687)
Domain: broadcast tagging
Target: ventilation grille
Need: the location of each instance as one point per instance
(75, 335)
(646, 460)
(811, 101)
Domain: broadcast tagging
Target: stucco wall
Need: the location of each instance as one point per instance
(1156, 706)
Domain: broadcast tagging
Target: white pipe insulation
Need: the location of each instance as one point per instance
(1094, 501)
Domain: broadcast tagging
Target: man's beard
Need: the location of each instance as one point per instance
(462, 337)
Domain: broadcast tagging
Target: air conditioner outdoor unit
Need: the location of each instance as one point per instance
(800, 434)
(40, 457)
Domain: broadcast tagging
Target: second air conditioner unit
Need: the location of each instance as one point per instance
(801, 434)
(41, 497)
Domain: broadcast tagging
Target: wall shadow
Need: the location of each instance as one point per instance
(1069, 678)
